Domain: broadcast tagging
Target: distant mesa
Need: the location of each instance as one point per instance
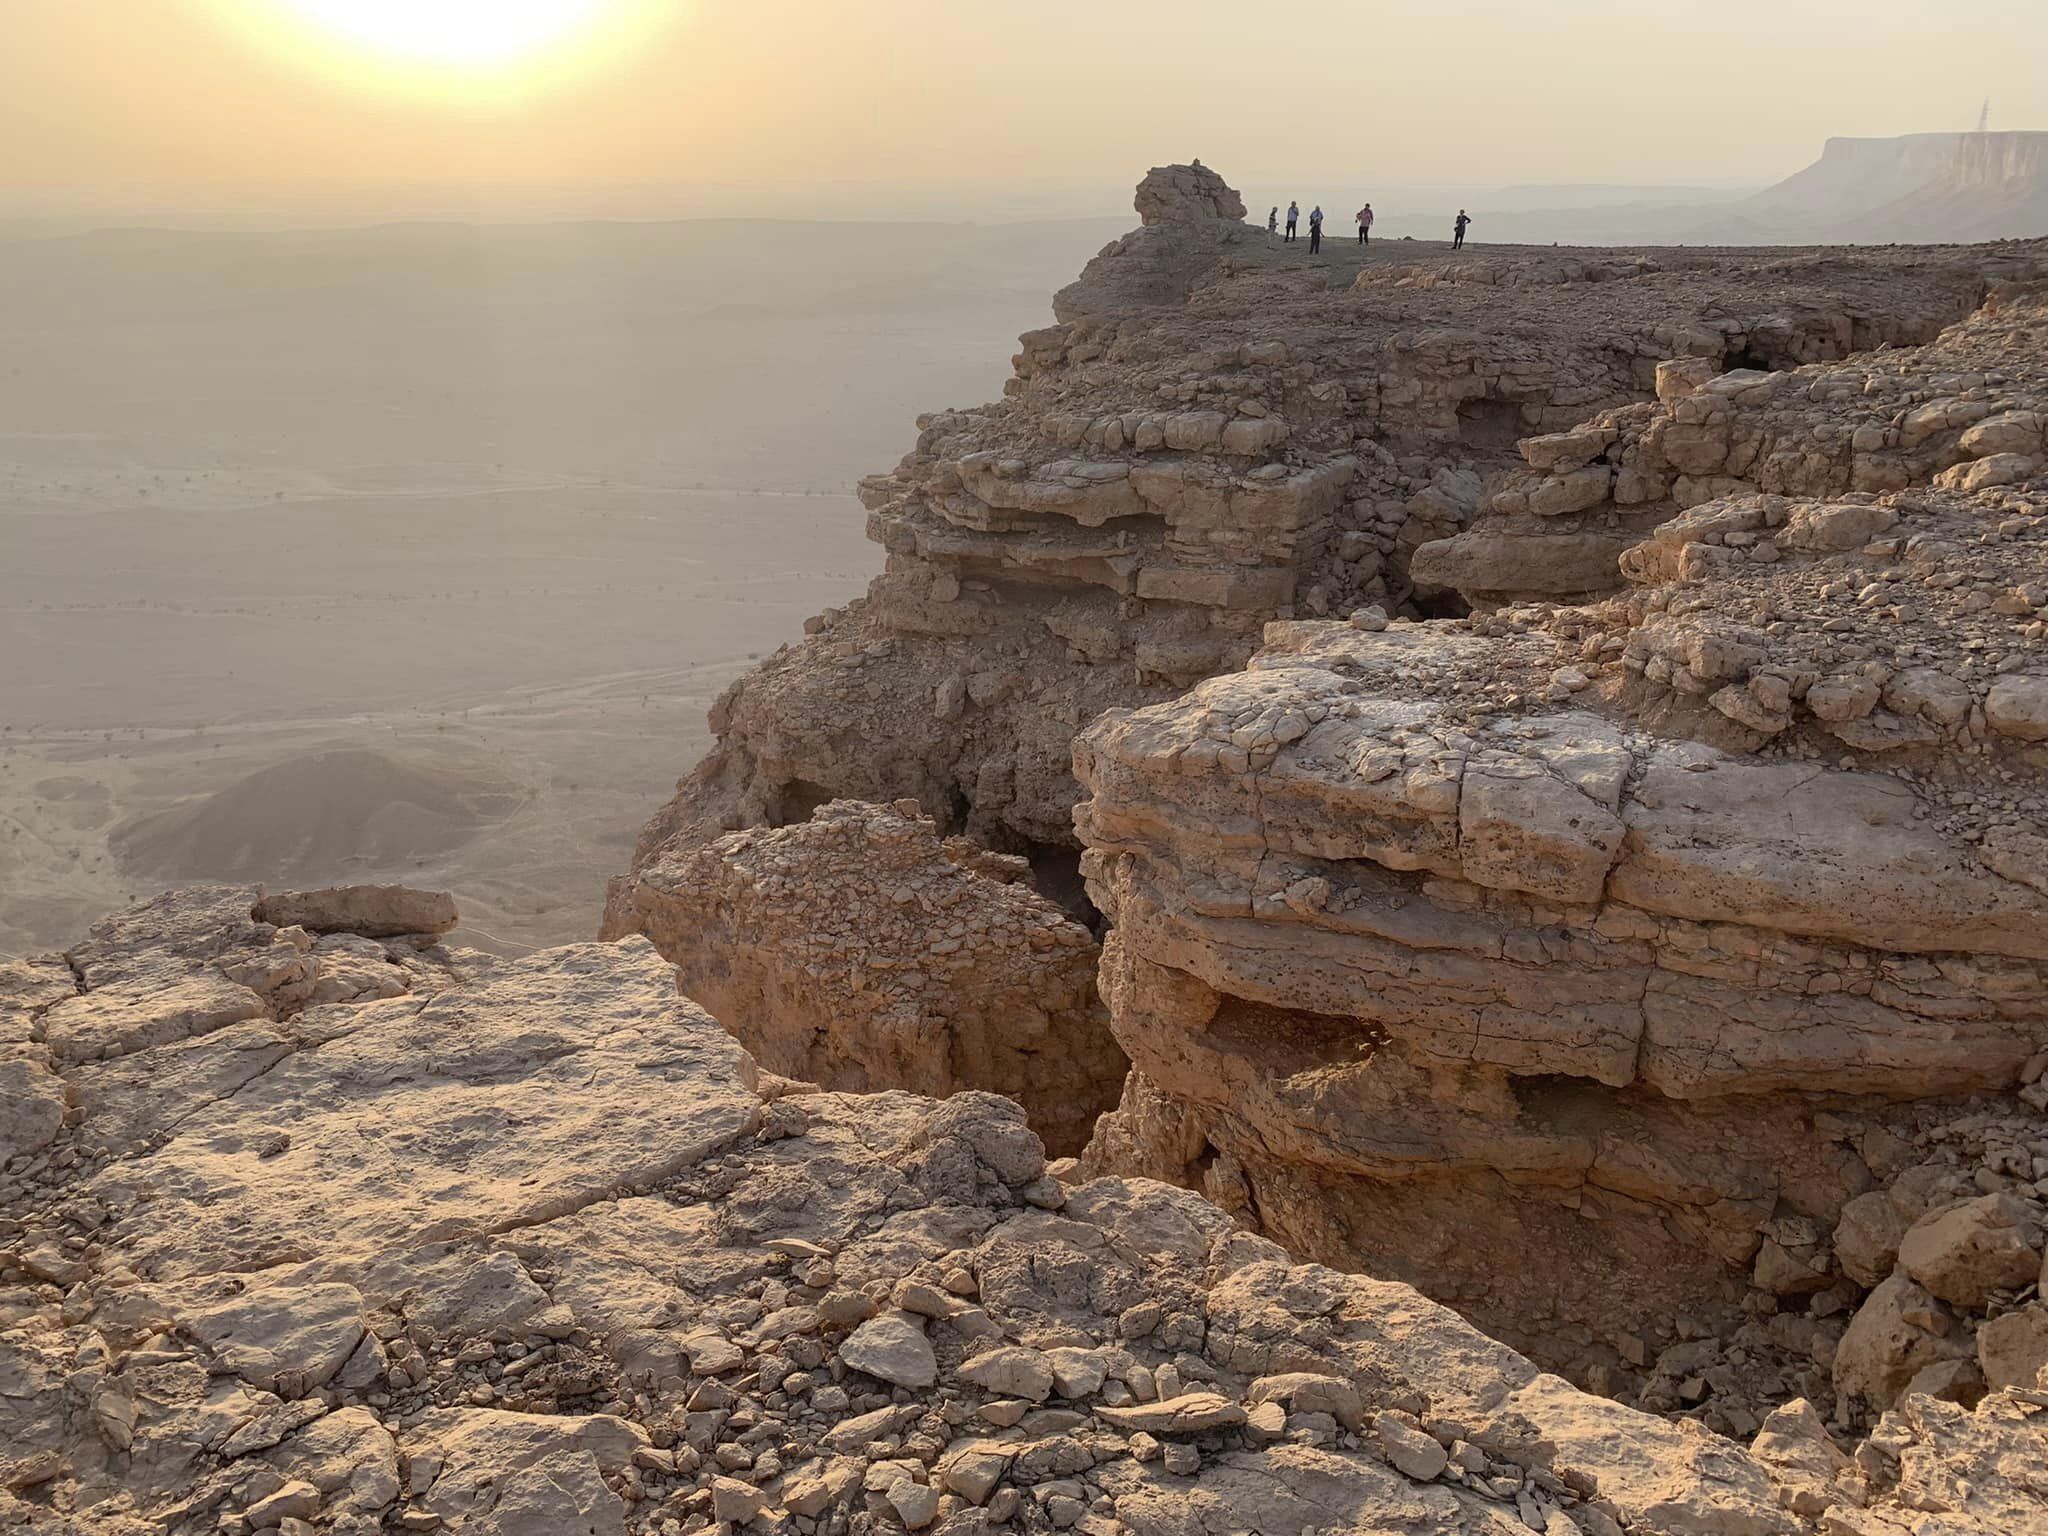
(318, 816)
(1938, 187)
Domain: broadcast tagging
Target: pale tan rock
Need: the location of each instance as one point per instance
(528, 1475)
(892, 1347)
(2012, 1348)
(1867, 1237)
(1802, 1459)
(1899, 1331)
(861, 950)
(372, 911)
(1966, 1252)
(276, 1331)
(523, 1306)
(1412, 1453)
(2017, 706)
(490, 1133)
(1187, 1414)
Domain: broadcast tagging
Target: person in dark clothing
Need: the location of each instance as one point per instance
(1293, 218)
(1458, 240)
(1315, 229)
(1365, 224)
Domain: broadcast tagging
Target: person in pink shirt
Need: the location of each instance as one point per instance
(1364, 223)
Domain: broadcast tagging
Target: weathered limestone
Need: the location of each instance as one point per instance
(859, 950)
(1214, 435)
(1955, 413)
(1585, 966)
(1571, 926)
(372, 911)
(530, 1255)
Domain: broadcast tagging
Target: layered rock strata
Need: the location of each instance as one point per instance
(1960, 413)
(1582, 964)
(1218, 433)
(860, 950)
(526, 1251)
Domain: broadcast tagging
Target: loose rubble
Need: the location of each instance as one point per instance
(526, 1251)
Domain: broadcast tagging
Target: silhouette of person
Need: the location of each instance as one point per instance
(1273, 222)
(1458, 240)
(1365, 224)
(1315, 229)
(1293, 218)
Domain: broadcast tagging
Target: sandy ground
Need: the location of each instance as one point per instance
(419, 552)
(545, 655)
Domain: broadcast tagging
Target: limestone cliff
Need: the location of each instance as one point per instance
(1217, 433)
(1624, 972)
(1577, 963)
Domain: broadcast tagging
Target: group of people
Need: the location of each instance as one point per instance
(1364, 217)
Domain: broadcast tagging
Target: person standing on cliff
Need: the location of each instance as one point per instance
(1293, 218)
(1458, 240)
(1365, 224)
(1272, 224)
(1315, 229)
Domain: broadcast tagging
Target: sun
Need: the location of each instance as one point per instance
(464, 33)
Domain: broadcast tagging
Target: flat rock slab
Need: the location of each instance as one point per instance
(565, 1078)
(373, 911)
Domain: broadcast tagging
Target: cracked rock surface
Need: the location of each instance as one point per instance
(860, 950)
(1668, 942)
(525, 1251)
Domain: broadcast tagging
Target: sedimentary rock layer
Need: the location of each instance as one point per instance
(1635, 937)
(1959, 413)
(526, 1252)
(1216, 433)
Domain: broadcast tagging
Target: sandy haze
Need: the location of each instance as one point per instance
(421, 552)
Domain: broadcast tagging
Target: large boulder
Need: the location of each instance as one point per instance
(2012, 1349)
(1185, 193)
(1900, 1330)
(1966, 1252)
(373, 911)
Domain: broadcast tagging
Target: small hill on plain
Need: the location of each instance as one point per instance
(317, 816)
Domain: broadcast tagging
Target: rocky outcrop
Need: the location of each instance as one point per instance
(1215, 434)
(1582, 965)
(371, 911)
(193, 963)
(861, 951)
(528, 1252)
(1588, 965)
(1959, 413)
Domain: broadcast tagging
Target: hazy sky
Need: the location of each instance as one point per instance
(832, 107)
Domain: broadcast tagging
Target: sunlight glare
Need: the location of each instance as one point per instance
(459, 32)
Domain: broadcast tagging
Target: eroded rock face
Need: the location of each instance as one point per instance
(527, 1253)
(860, 950)
(1583, 965)
(1216, 434)
(1960, 413)
(1617, 934)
